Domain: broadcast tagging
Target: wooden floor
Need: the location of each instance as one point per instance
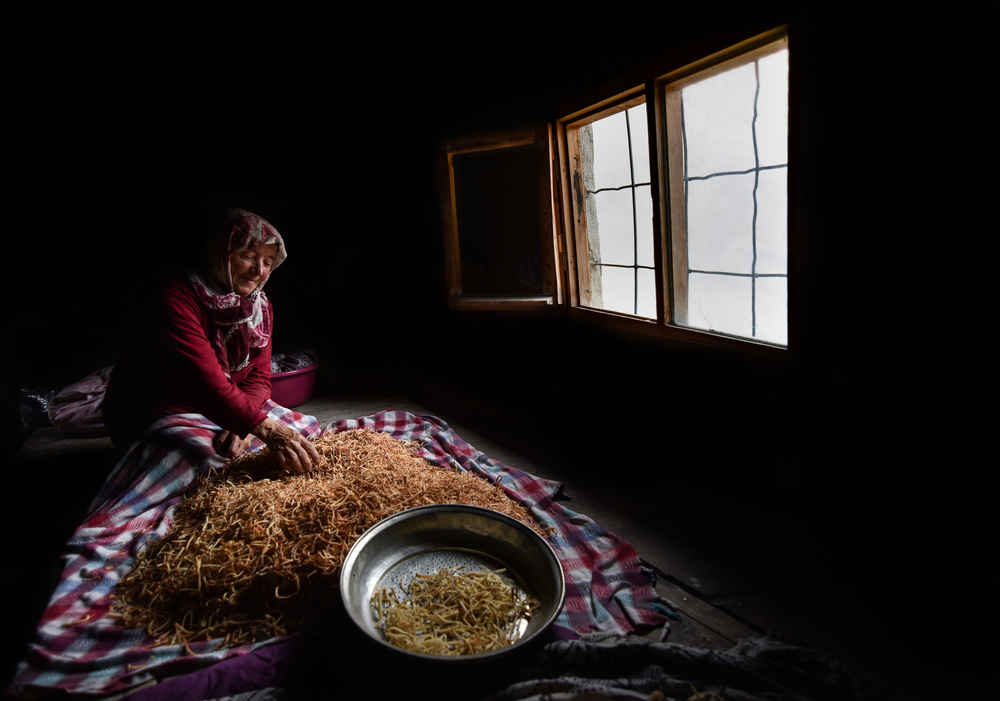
(730, 572)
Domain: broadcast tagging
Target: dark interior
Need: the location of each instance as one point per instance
(869, 438)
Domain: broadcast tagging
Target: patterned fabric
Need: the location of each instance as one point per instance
(240, 323)
(76, 409)
(80, 649)
(78, 646)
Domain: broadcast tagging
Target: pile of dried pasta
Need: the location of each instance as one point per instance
(456, 611)
(254, 552)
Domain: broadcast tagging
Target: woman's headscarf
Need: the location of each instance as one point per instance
(238, 324)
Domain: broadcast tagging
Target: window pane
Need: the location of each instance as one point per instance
(720, 217)
(640, 141)
(647, 293)
(614, 215)
(718, 113)
(611, 167)
(772, 222)
(730, 225)
(720, 303)
(614, 157)
(772, 109)
(772, 310)
(621, 286)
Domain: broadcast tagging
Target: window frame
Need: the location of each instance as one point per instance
(538, 136)
(666, 259)
(569, 146)
(671, 197)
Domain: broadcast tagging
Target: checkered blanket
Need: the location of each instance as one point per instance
(79, 648)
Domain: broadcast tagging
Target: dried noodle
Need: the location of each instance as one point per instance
(254, 552)
(453, 612)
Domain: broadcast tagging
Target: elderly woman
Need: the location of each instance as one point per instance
(207, 351)
(192, 392)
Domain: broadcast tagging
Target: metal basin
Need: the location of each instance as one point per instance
(427, 539)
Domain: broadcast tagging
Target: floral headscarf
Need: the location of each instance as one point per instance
(238, 324)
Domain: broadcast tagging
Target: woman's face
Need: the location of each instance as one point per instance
(247, 268)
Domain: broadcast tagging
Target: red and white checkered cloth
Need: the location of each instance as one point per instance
(78, 648)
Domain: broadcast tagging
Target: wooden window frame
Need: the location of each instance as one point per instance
(549, 243)
(569, 147)
(671, 176)
(669, 255)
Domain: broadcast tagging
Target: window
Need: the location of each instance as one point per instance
(661, 209)
(614, 221)
(496, 208)
(691, 234)
(726, 165)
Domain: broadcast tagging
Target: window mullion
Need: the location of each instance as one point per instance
(578, 198)
(676, 281)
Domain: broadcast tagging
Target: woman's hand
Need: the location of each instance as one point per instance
(229, 445)
(290, 449)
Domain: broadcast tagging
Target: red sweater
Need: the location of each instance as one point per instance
(170, 367)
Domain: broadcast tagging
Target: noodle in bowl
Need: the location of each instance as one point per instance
(439, 554)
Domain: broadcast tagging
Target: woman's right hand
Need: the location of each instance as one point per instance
(229, 445)
(292, 451)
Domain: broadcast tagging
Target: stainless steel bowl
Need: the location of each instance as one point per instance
(427, 539)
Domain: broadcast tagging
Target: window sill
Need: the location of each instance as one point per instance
(649, 327)
(505, 303)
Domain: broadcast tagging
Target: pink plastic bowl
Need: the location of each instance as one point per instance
(293, 387)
